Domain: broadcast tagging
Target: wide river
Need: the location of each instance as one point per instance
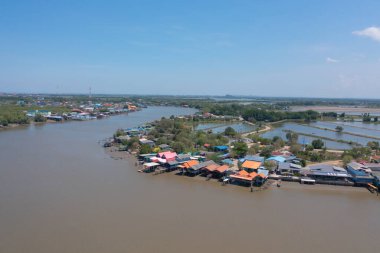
(61, 193)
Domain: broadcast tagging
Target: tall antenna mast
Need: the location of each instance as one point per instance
(89, 92)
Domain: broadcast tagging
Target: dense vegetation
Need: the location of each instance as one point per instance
(366, 117)
(39, 118)
(10, 115)
(16, 114)
(258, 112)
(178, 134)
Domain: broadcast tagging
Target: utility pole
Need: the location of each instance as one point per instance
(89, 92)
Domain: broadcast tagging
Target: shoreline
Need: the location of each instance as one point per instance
(115, 154)
(337, 109)
(33, 123)
(266, 129)
(132, 158)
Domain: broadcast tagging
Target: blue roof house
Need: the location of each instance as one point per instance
(227, 161)
(376, 175)
(278, 159)
(254, 158)
(360, 174)
(221, 148)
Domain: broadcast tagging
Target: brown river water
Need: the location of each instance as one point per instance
(61, 193)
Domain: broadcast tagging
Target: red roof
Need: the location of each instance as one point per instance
(168, 155)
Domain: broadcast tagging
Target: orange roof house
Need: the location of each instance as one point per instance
(222, 169)
(251, 165)
(132, 107)
(212, 167)
(243, 175)
(262, 175)
(190, 164)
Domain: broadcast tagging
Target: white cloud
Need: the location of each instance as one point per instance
(331, 60)
(371, 32)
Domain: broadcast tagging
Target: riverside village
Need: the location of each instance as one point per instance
(223, 149)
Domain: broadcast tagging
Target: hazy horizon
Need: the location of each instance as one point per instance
(243, 97)
(328, 49)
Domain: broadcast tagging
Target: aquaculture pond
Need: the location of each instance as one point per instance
(354, 129)
(353, 113)
(207, 126)
(304, 140)
(318, 133)
(220, 127)
(361, 124)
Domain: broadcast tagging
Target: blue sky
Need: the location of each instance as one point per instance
(262, 48)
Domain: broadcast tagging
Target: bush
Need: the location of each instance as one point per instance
(145, 149)
(267, 151)
(359, 152)
(270, 165)
(119, 132)
(347, 159)
(374, 145)
(317, 144)
(4, 122)
(316, 157)
(309, 148)
(253, 150)
(178, 147)
(292, 137)
(240, 149)
(39, 118)
(229, 131)
(295, 148)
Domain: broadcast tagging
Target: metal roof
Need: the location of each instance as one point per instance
(202, 165)
(327, 170)
(277, 159)
(183, 156)
(289, 166)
